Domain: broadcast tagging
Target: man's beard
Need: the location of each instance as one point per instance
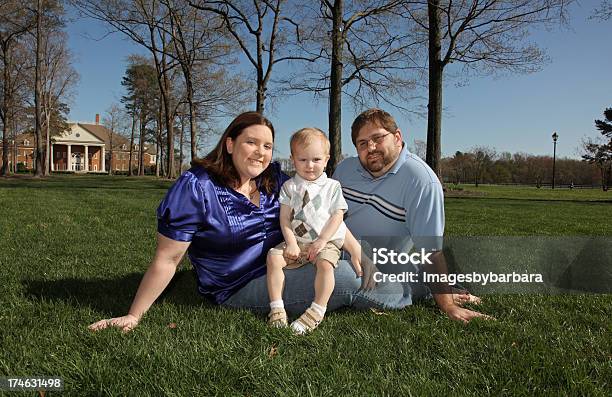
(381, 161)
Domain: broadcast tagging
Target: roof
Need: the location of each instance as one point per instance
(104, 134)
(24, 136)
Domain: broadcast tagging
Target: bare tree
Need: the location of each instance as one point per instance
(604, 11)
(113, 120)
(58, 77)
(258, 27)
(359, 49)
(481, 159)
(38, 157)
(483, 36)
(197, 39)
(147, 23)
(48, 16)
(14, 23)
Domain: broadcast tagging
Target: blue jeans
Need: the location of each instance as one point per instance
(298, 293)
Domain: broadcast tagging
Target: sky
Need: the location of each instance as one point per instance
(512, 113)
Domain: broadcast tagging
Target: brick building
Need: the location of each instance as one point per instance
(84, 148)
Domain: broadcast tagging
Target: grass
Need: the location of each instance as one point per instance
(73, 250)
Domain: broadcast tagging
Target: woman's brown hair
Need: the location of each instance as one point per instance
(219, 162)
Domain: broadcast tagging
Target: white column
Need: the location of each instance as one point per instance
(86, 158)
(103, 160)
(52, 160)
(69, 161)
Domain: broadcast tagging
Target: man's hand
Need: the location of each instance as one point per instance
(368, 267)
(315, 248)
(464, 315)
(356, 262)
(125, 323)
(292, 251)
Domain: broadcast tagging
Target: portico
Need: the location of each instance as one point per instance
(78, 151)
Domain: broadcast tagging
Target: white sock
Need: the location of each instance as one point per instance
(277, 304)
(299, 328)
(318, 308)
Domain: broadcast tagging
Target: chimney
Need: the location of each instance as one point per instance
(97, 119)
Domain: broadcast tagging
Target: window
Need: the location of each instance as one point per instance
(123, 147)
(135, 147)
(152, 159)
(26, 142)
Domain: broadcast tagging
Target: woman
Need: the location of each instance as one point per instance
(225, 212)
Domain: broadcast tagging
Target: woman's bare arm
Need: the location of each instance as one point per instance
(168, 255)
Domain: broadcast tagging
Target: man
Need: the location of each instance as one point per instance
(392, 192)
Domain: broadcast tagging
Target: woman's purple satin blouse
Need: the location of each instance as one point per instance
(230, 236)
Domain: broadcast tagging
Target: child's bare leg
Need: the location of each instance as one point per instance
(275, 276)
(276, 280)
(324, 286)
(324, 282)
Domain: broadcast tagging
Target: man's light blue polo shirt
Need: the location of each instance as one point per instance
(407, 201)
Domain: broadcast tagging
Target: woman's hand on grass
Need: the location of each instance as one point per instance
(125, 323)
(464, 315)
(463, 297)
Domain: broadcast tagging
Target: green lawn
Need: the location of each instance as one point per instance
(73, 250)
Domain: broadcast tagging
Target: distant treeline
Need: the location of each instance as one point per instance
(483, 165)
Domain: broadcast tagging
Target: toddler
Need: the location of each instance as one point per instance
(311, 213)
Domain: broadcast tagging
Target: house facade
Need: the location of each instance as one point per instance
(22, 153)
(84, 148)
(79, 150)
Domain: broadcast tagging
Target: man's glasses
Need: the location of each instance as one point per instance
(364, 144)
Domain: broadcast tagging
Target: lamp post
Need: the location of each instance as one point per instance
(555, 136)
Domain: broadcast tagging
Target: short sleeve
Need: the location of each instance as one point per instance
(425, 217)
(337, 199)
(285, 194)
(181, 213)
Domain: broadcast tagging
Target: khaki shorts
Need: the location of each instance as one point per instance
(330, 253)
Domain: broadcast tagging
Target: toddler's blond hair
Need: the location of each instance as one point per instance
(306, 136)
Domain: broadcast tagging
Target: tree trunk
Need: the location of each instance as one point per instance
(169, 132)
(15, 153)
(38, 167)
(434, 107)
(261, 82)
(165, 91)
(48, 157)
(110, 161)
(335, 91)
(182, 137)
(192, 124)
(261, 95)
(162, 160)
(130, 171)
(141, 140)
(6, 99)
(158, 141)
(157, 156)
